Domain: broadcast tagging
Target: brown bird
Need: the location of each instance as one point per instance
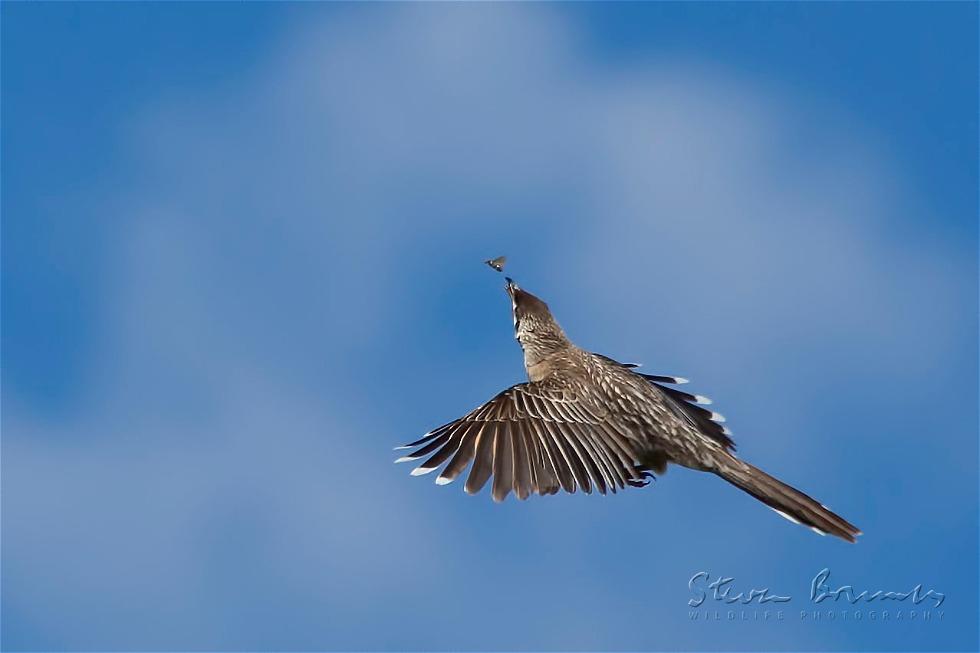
(585, 421)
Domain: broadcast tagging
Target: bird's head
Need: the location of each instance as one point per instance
(534, 326)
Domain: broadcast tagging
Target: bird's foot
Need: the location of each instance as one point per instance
(640, 475)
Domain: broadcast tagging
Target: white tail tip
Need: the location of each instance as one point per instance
(419, 471)
(785, 516)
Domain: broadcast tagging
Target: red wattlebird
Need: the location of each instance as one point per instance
(586, 421)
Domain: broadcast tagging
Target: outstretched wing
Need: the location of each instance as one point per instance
(689, 408)
(685, 405)
(532, 437)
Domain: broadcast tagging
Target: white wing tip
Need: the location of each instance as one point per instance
(419, 471)
(442, 480)
(680, 380)
(401, 447)
(404, 459)
(717, 417)
(701, 399)
(817, 531)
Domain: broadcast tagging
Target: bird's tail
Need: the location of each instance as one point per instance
(787, 501)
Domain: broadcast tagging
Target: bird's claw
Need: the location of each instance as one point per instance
(642, 474)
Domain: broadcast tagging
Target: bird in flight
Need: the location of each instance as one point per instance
(497, 263)
(585, 421)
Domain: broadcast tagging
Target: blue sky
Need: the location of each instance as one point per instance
(241, 261)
